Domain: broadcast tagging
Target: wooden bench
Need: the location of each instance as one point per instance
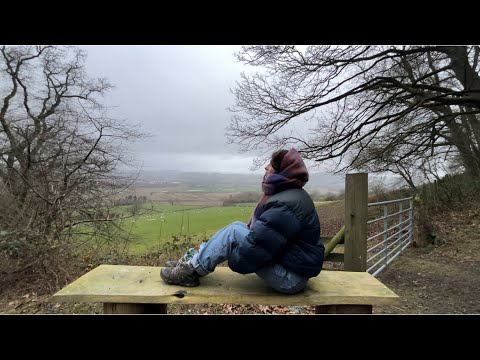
(139, 289)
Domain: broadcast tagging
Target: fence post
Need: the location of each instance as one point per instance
(385, 235)
(410, 214)
(401, 228)
(356, 212)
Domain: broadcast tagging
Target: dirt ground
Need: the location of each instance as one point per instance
(440, 279)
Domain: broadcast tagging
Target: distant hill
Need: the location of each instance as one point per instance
(321, 182)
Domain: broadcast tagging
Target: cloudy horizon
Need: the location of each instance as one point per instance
(180, 97)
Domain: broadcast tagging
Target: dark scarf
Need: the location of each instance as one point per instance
(293, 174)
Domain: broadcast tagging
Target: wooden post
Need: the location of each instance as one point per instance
(343, 309)
(356, 212)
(123, 308)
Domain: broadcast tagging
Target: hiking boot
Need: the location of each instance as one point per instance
(187, 256)
(182, 274)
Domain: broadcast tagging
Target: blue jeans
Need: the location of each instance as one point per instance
(218, 249)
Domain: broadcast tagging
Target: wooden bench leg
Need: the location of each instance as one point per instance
(122, 308)
(343, 309)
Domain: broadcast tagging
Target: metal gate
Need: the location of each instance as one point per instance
(394, 220)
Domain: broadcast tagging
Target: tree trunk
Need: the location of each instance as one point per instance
(464, 72)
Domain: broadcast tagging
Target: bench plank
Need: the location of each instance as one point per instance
(143, 285)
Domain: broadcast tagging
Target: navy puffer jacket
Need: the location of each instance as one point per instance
(287, 232)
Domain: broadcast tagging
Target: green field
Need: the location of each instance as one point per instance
(154, 228)
(322, 203)
(155, 207)
(174, 225)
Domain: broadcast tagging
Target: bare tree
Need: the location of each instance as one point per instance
(59, 151)
(365, 105)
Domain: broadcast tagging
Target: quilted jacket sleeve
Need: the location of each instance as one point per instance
(267, 239)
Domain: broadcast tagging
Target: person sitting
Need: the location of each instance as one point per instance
(281, 243)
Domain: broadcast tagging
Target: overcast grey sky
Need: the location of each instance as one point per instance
(179, 95)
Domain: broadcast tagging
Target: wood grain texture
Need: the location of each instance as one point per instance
(356, 213)
(115, 308)
(142, 285)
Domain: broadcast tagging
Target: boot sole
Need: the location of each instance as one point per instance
(187, 285)
(182, 284)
